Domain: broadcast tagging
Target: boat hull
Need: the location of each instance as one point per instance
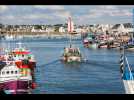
(103, 46)
(130, 49)
(129, 86)
(71, 59)
(16, 87)
(92, 46)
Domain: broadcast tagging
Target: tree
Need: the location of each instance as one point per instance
(37, 27)
(1, 25)
(16, 26)
(56, 29)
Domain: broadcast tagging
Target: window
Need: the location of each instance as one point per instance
(7, 72)
(3, 73)
(12, 72)
(16, 72)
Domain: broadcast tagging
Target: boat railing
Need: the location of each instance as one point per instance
(130, 72)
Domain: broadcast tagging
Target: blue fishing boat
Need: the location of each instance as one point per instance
(127, 73)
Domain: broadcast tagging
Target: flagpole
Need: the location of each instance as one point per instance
(133, 26)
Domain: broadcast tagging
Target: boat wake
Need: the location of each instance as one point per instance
(84, 61)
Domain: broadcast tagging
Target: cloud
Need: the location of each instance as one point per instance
(59, 14)
(108, 7)
(53, 7)
(57, 11)
(112, 11)
(3, 8)
(37, 16)
(126, 12)
(7, 17)
(100, 14)
(62, 14)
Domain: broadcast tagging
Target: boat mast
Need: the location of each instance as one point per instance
(132, 35)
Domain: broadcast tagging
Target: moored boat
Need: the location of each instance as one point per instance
(127, 73)
(14, 80)
(130, 45)
(103, 44)
(17, 71)
(24, 59)
(90, 41)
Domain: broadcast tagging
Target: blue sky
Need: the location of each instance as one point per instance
(58, 14)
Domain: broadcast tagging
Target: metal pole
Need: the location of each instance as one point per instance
(133, 25)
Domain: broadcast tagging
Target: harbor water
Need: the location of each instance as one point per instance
(99, 75)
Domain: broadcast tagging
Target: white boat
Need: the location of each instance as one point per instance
(14, 80)
(9, 37)
(127, 72)
(17, 75)
(71, 55)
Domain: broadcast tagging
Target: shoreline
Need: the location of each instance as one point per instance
(33, 33)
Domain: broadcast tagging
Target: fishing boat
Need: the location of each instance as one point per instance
(14, 80)
(106, 41)
(103, 41)
(130, 45)
(24, 58)
(103, 44)
(90, 41)
(127, 73)
(17, 75)
(71, 53)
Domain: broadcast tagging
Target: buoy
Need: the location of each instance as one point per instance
(34, 85)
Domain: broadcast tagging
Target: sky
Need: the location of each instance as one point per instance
(58, 14)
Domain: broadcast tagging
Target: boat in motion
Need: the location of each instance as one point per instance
(71, 53)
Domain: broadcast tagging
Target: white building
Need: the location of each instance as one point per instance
(37, 30)
(61, 29)
(102, 28)
(122, 28)
(79, 30)
(50, 29)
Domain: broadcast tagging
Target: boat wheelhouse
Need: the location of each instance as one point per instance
(71, 55)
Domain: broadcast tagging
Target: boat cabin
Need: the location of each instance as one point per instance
(72, 52)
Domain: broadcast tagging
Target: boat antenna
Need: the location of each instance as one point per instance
(133, 28)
